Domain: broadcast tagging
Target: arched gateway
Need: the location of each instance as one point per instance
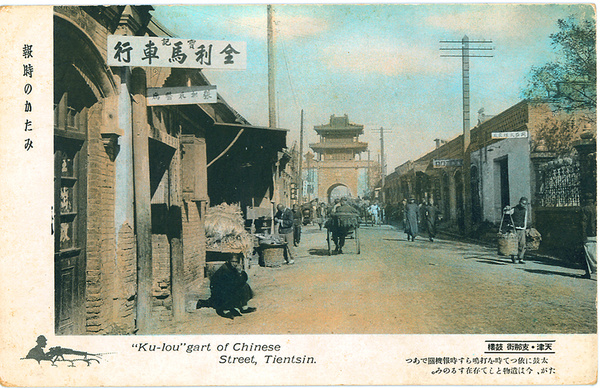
(338, 191)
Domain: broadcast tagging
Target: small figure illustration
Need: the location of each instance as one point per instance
(37, 353)
(57, 354)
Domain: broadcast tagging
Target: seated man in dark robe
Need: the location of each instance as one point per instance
(229, 291)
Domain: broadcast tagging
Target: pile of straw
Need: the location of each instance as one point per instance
(224, 228)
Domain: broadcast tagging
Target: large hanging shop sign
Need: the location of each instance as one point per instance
(174, 52)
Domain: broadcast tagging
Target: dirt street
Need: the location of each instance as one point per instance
(398, 287)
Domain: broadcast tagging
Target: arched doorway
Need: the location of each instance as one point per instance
(446, 196)
(475, 197)
(460, 211)
(338, 191)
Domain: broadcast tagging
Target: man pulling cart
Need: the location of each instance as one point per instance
(342, 224)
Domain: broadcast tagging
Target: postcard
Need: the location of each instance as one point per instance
(298, 194)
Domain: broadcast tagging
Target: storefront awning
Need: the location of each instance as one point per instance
(249, 127)
(420, 166)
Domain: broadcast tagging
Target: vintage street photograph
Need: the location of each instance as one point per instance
(323, 169)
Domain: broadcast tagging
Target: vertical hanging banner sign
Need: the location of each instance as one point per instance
(153, 51)
(182, 95)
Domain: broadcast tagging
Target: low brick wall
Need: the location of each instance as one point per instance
(194, 245)
(162, 300)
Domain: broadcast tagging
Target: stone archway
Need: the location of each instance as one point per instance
(338, 190)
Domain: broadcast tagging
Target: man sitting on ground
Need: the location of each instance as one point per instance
(229, 291)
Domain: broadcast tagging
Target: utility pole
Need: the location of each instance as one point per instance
(369, 171)
(271, 67)
(383, 169)
(466, 49)
(300, 183)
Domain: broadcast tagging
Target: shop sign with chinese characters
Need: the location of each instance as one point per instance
(182, 95)
(510, 135)
(174, 52)
(440, 163)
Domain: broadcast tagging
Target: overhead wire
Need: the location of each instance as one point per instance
(285, 60)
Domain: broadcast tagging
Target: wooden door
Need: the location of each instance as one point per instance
(69, 219)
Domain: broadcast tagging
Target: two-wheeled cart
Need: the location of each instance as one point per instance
(350, 233)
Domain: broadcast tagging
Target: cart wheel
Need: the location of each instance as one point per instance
(328, 243)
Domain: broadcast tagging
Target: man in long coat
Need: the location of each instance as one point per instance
(285, 219)
(411, 222)
(431, 213)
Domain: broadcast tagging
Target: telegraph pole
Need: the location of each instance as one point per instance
(369, 171)
(271, 67)
(466, 49)
(383, 169)
(300, 183)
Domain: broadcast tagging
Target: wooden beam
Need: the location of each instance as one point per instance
(143, 218)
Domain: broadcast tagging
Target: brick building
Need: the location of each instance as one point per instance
(132, 181)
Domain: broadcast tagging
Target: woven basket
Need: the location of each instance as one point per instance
(272, 256)
(508, 244)
(533, 238)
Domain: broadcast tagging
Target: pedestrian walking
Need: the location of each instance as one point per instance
(411, 221)
(431, 214)
(285, 220)
(374, 211)
(297, 211)
(336, 204)
(321, 214)
(588, 220)
(519, 219)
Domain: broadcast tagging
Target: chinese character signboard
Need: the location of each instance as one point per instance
(172, 52)
(182, 95)
(510, 135)
(440, 163)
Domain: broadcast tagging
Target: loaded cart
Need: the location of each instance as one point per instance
(343, 225)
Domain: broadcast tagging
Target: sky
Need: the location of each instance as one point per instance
(378, 63)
